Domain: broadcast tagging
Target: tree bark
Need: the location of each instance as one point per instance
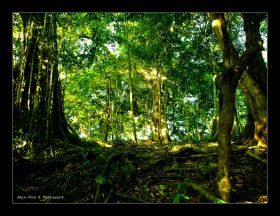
(224, 138)
(227, 91)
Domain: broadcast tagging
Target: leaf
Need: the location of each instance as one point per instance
(176, 199)
(185, 196)
(100, 179)
(213, 164)
(220, 201)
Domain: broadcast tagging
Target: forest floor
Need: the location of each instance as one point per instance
(146, 172)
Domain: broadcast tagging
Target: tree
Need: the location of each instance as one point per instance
(38, 102)
(253, 84)
(227, 83)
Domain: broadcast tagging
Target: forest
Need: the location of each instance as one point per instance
(140, 107)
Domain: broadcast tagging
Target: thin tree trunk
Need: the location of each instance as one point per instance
(159, 108)
(131, 95)
(187, 138)
(155, 114)
(214, 125)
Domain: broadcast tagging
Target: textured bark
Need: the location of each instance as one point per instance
(257, 101)
(227, 89)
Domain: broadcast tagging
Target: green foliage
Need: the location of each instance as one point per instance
(241, 116)
(237, 35)
(181, 196)
(207, 168)
(100, 179)
(220, 201)
(176, 199)
(93, 52)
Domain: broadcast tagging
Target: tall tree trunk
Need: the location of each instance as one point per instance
(227, 88)
(131, 98)
(155, 114)
(105, 121)
(59, 125)
(29, 69)
(163, 129)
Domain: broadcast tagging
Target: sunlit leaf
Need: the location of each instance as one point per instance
(185, 196)
(220, 201)
(100, 179)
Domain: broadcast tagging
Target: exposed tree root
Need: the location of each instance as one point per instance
(258, 158)
(204, 192)
(249, 153)
(111, 157)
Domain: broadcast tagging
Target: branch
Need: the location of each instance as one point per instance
(219, 27)
(246, 58)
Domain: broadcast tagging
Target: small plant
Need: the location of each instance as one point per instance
(181, 196)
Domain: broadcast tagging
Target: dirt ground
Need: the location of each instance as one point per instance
(146, 172)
